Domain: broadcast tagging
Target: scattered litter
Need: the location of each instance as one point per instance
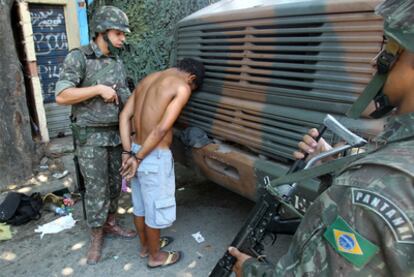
(116, 257)
(125, 187)
(57, 225)
(68, 210)
(60, 175)
(5, 233)
(198, 237)
(44, 167)
(199, 254)
(52, 198)
(44, 160)
(180, 189)
(67, 200)
(56, 209)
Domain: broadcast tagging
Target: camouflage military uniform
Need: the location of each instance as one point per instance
(99, 150)
(375, 197)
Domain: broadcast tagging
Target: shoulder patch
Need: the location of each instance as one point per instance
(396, 219)
(350, 244)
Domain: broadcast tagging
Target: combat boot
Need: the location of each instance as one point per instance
(111, 228)
(95, 248)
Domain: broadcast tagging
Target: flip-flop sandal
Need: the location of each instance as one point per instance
(169, 261)
(164, 242)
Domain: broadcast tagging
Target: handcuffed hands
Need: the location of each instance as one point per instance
(129, 167)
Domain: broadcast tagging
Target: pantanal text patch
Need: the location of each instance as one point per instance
(394, 217)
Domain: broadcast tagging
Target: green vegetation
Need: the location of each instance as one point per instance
(152, 23)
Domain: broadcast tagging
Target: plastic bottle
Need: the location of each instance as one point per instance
(56, 209)
(60, 211)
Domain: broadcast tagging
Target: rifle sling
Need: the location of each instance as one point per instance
(316, 171)
(298, 176)
(373, 87)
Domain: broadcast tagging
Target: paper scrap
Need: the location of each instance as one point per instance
(60, 175)
(5, 233)
(198, 237)
(125, 187)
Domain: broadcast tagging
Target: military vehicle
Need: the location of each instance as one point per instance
(273, 70)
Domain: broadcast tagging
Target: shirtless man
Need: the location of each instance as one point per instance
(156, 102)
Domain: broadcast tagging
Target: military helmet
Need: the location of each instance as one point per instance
(399, 21)
(109, 17)
(399, 31)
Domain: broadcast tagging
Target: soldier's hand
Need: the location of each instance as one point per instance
(310, 146)
(241, 258)
(108, 94)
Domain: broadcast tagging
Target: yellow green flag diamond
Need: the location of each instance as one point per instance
(349, 244)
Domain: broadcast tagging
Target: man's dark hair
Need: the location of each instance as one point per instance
(193, 67)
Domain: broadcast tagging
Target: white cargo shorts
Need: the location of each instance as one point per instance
(153, 189)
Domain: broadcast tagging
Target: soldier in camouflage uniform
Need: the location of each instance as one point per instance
(363, 224)
(92, 80)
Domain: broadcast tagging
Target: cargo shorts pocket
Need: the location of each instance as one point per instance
(147, 168)
(165, 211)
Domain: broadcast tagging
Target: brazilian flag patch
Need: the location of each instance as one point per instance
(349, 244)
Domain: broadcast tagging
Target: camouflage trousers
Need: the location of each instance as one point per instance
(100, 170)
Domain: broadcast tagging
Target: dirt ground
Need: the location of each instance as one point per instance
(201, 207)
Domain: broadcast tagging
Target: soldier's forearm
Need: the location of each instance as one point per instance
(72, 96)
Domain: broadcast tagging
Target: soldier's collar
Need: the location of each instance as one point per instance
(397, 127)
(98, 52)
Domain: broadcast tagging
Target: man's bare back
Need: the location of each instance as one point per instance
(155, 107)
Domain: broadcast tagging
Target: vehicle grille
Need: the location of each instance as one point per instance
(269, 79)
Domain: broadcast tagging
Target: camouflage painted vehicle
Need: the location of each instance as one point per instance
(273, 70)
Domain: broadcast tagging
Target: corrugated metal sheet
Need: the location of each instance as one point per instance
(57, 119)
(270, 78)
(51, 47)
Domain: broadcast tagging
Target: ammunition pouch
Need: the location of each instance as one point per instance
(79, 133)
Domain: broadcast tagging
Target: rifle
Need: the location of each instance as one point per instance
(264, 220)
(79, 178)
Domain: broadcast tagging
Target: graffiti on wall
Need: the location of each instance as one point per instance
(51, 45)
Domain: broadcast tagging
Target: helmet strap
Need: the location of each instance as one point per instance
(388, 56)
(112, 49)
(382, 105)
(373, 91)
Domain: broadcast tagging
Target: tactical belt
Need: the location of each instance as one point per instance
(81, 133)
